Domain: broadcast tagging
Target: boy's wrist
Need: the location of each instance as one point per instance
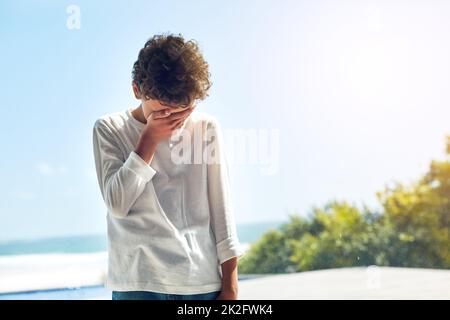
(147, 139)
(146, 147)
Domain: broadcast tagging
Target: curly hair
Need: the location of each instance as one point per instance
(172, 71)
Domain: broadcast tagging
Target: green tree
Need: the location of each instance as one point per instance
(416, 219)
(270, 254)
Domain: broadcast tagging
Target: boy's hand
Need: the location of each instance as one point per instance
(161, 125)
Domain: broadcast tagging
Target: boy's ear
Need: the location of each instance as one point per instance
(136, 90)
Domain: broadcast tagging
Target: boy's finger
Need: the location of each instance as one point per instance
(178, 122)
(181, 114)
(161, 113)
(186, 110)
(177, 126)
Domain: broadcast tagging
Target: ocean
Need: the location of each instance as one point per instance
(247, 233)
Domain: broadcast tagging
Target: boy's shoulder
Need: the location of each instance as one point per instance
(112, 120)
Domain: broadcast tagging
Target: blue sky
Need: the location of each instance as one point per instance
(358, 91)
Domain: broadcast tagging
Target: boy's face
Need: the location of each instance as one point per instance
(149, 106)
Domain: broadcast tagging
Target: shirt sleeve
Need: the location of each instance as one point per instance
(121, 180)
(222, 217)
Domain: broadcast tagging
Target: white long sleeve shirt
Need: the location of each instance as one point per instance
(170, 224)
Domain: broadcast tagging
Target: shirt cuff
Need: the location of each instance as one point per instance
(141, 168)
(229, 248)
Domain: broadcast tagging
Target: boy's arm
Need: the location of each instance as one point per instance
(121, 182)
(222, 217)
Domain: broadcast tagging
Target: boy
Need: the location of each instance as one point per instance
(171, 230)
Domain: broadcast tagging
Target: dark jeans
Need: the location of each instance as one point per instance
(150, 295)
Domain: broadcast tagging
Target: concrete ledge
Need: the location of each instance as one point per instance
(350, 283)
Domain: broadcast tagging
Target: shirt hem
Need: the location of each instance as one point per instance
(163, 288)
